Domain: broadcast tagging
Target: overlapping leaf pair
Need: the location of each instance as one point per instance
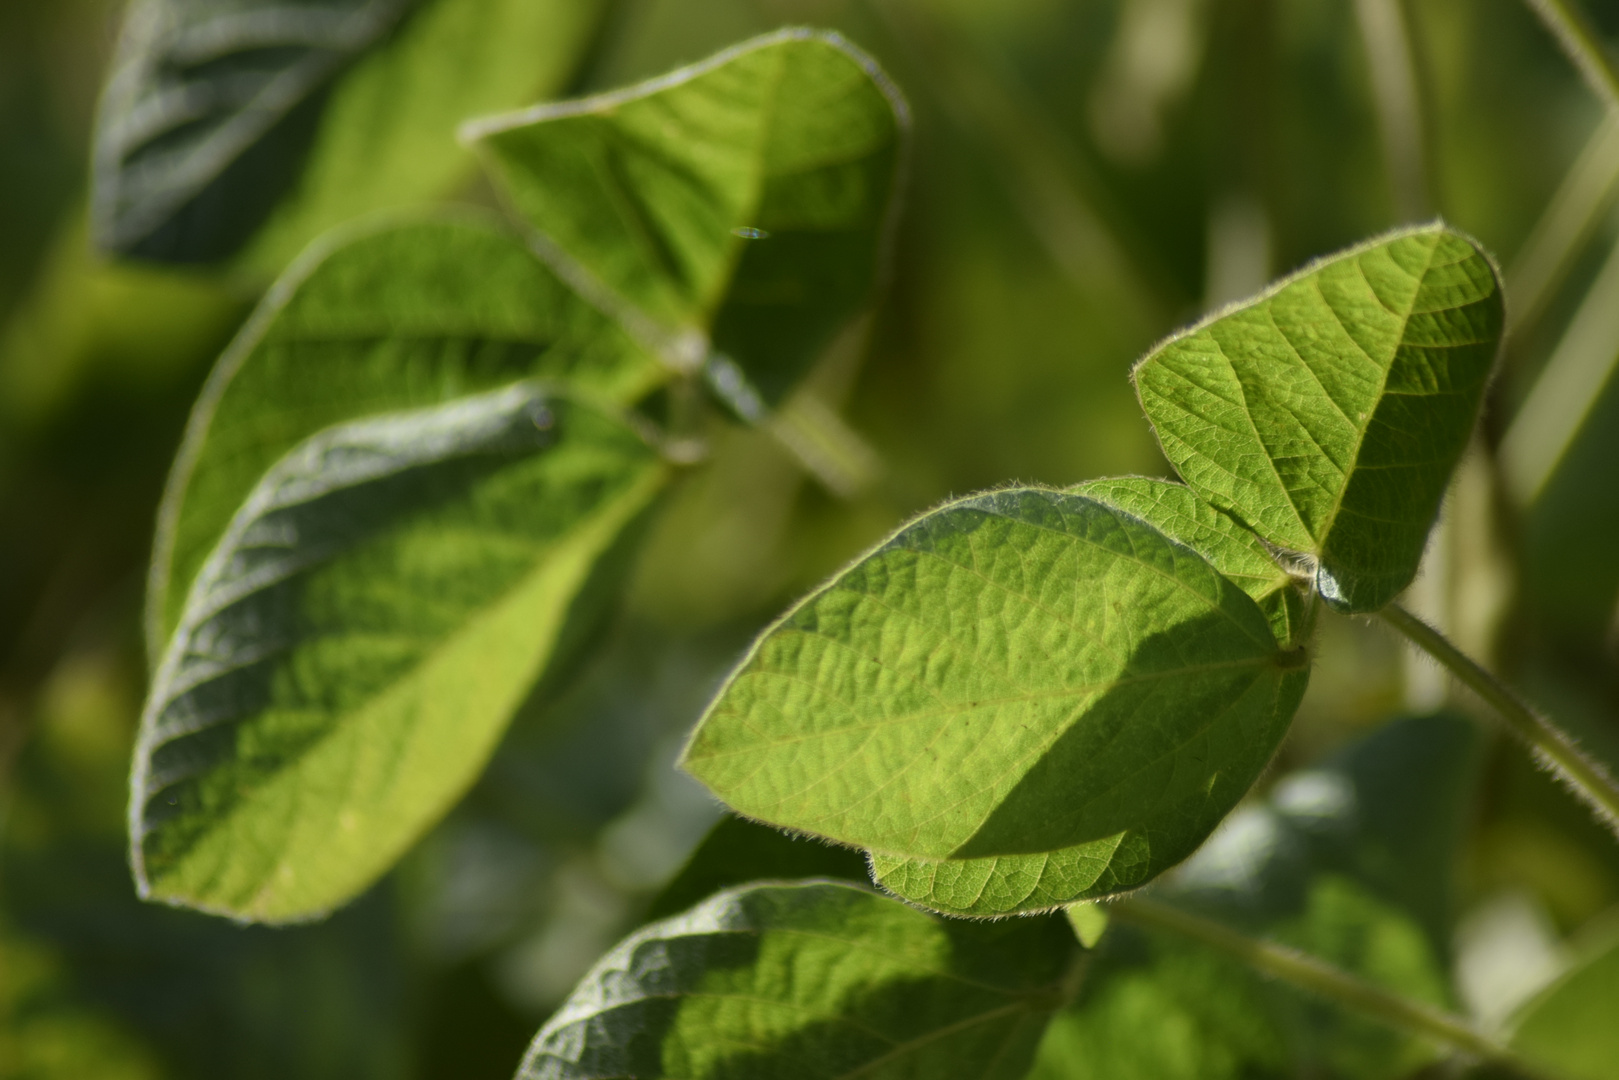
(407, 487)
(1036, 696)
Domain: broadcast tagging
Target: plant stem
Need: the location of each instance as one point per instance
(1579, 42)
(1550, 743)
(1308, 973)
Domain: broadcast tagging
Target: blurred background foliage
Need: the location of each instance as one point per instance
(1086, 176)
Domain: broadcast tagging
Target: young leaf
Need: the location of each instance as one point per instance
(1017, 674)
(1177, 512)
(1328, 413)
(745, 200)
(386, 318)
(355, 644)
(1570, 1025)
(810, 981)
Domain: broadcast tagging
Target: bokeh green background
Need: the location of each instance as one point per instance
(1086, 176)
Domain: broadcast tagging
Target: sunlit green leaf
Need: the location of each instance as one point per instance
(358, 640)
(1328, 414)
(1177, 512)
(385, 318)
(801, 982)
(1351, 861)
(386, 137)
(223, 115)
(744, 201)
(1044, 690)
(1570, 1026)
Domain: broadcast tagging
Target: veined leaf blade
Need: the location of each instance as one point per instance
(387, 317)
(355, 645)
(746, 201)
(1014, 674)
(1328, 413)
(809, 981)
(1177, 512)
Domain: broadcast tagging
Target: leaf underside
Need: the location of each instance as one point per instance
(358, 640)
(1047, 694)
(746, 199)
(804, 982)
(1328, 414)
(388, 318)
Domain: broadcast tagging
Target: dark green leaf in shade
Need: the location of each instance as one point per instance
(210, 104)
(737, 851)
(741, 205)
(1021, 699)
(388, 317)
(356, 643)
(810, 981)
(1328, 413)
(1176, 511)
(1351, 861)
(257, 124)
(1570, 1025)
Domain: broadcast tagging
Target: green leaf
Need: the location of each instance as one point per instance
(1569, 1026)
(1043, 690)
(796, 982)
(386, 138)
(263, 122)
(385, 318)
(740, 205)
(207, 109)
(1352, 861)
(737, 851)
(1328, 413)
(355, 645)
(1177, 512)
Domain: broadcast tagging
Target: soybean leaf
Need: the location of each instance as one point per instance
(221, 114)
(1569, 1026)
(357, 641)
(809, 981)
(1328, 413)
(744, 201)
(1353, 861)
(737, 851)
(386, 137)
(1030, 681)
(374, 320)
(1177, 512)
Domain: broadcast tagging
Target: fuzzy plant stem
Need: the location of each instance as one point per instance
(1324, 980)
(1580, 43)
(1550, 743)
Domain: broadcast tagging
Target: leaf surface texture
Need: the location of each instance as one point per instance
(358, 640)
(742, 203)
(1025, 673)
(804, 982)
(1328, 414)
